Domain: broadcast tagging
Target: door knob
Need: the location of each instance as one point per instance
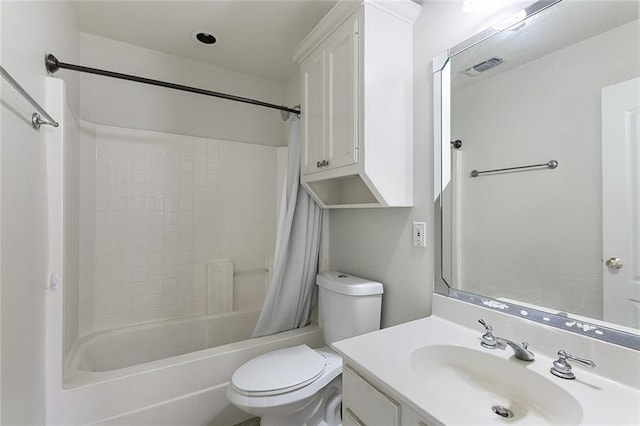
(614, 263)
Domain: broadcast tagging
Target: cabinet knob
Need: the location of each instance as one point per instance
(318, 164)
(325, 163)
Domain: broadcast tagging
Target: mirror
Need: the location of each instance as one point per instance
(539, 173)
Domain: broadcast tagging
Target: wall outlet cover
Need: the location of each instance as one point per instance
(419, 238)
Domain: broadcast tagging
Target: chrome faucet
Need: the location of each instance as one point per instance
(490, 341)
(562, 368)
(521, 351)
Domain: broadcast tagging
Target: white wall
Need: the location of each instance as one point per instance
(165, 205)
(377, 243)
(545, 227)
(28, 31)
(1, 119)
(138, 106)
(87, 233)
(143, 292)
(71, 226)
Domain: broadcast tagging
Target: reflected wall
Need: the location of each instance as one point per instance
(536, 235)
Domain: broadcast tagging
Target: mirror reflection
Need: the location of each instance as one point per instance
(554, 100)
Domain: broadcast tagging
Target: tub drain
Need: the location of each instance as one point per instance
(502, 411)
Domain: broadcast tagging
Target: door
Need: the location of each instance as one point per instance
(621, 202)
(342, 96)
(313, 111)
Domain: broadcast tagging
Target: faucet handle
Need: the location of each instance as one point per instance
(486, 326)
(562, 368)
(488, 339)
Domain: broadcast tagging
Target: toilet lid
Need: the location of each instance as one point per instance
(279, 371)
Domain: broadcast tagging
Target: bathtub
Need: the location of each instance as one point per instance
(166, 373)
(130, 346)
(116, 377)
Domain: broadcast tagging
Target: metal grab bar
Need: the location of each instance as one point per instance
(551, 165)
(36, 118)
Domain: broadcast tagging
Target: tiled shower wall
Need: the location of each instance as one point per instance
(155, 208)
(71, 210)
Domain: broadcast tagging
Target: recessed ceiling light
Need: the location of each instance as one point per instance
(204, 37)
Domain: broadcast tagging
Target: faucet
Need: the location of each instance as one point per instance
(562, 368)
(490, 341)
(521, 351)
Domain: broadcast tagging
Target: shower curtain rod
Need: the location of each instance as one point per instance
(53, 64)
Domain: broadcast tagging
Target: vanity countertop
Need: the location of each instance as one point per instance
(385, 355)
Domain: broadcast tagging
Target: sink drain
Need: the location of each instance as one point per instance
(502, 411)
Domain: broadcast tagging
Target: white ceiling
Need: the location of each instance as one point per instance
(254, 37)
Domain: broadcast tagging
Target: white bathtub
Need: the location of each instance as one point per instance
(150, 374)
(130, 346)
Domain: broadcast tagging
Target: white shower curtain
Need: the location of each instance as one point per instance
(291, 293)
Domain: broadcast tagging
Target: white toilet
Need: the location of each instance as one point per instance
(300, 386)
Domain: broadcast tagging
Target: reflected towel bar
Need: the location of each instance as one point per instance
(551, 165)
(36, 118)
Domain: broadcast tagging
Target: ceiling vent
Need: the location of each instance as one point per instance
(483, 66)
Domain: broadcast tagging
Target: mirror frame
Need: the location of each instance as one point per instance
(442, 142)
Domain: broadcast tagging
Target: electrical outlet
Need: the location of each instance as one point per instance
(419, 238)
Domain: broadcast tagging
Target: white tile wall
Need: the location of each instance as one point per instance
(71, 207)
(162, 205)
(87, 227)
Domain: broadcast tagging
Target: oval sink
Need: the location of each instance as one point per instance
(489, 389)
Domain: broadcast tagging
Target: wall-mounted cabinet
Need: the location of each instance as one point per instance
(357, 105)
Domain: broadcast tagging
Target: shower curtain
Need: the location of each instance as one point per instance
(291, 292)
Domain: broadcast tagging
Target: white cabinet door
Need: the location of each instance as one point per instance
(312, 74)
(350, 419)
(342, 51)
(621, 205)
(367, 404)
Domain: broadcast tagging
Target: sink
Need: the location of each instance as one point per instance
(490, 389)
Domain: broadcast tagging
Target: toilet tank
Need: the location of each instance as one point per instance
(348, 305)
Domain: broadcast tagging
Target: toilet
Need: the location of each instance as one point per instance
(300, 386)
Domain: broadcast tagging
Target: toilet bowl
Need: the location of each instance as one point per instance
(291, 386)
(300, 386)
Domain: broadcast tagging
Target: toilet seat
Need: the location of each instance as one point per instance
(332, 370)
(279, 371)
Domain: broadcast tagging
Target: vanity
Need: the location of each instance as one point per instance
(434, 371)
(536, 306)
